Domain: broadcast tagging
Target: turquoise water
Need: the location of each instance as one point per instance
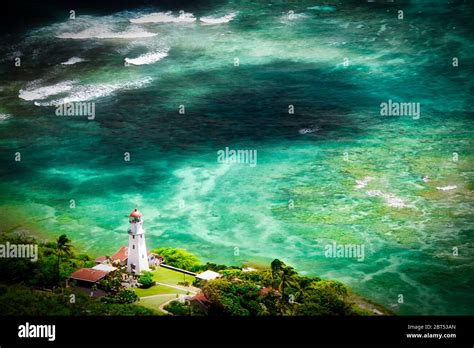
(352, 175)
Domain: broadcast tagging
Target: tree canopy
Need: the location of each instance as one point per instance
(179, 258)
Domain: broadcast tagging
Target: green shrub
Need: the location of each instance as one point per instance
(89, 264)
(177, 308)
(146, 280)
(121, 297)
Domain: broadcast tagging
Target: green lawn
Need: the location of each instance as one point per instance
(168, 276)
(157, 289)
(155, 302)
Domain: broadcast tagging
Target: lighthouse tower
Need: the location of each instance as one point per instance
(137, 256)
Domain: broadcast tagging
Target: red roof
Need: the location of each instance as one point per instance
(121, 255)
(265, 291)
(201, 298)
(135, 213)
(101, 259)
(88, 275)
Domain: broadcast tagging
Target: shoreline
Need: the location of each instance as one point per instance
(362, 302)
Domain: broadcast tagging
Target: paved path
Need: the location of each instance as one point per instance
(162, 307)
(159, 295)
(191, 290)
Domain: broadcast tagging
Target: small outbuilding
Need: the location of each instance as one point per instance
(101, 259)
(200, 304)
(208, 275)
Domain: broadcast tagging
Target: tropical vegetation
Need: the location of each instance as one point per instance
(146, 280)
(40, 287)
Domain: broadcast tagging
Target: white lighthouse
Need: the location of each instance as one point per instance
(137, 255)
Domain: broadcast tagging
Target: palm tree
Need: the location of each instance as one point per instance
(63, 248)
(276, 267)
(300, 291)
(284, 276)
(287, 278)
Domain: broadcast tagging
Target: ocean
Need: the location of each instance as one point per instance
(299, 86)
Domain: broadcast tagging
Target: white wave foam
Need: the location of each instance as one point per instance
(164, 17)
(363, 182)
(148, 58)
(291, 16)
(446, 188)
(104, 32)
(395, 202)
(308, 130)
(91, 92)
(83, 93)
(4, 117)
(390, 199)
(46, 91)
(374, 193)
(73, 60)
(218, 20)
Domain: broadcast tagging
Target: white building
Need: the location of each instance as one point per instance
(208, 275)
(137, 261)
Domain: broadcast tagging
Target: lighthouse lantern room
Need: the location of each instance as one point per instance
(137, 255)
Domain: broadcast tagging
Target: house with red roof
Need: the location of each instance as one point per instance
(200, 303)
(87, 277)
(121, 256)
(101, 259)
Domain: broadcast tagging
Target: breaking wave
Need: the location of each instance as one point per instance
(45, 91)
(218, 20)
(4, 117)
(73, 60)
(148, 58)
(164, 17)
(77, 93)
(104, 32)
